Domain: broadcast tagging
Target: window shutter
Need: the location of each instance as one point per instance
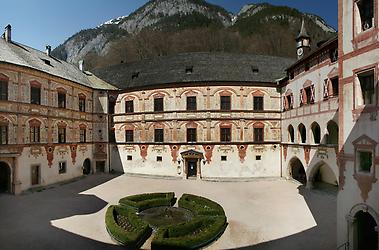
(326, 88)
(313, 93)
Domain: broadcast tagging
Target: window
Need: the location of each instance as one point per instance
(258, 103)
(225, 135)
(158, 104)
(191, 103)
(82, 132)
(82, 104)
(224, 158)
(62, 167)
(35, 95)
(159, 158)
(35, 175)
(3, 134)
(288, 102)
(158, 135)
(191, 135)
(366, 14)
(258, 134)
(129, 158)
(129, 106)
(302, 133)
(291, 133)
(129, 135)
(258, 157)
(3, 90)
(225, 103)
(189, 70)
(335, 86)
(365, 161)
(366, 81)
(316, 132)
(309, 92)
(61, 100)
(61, 135)
(34, 133)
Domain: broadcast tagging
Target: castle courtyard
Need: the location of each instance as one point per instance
(266, 213)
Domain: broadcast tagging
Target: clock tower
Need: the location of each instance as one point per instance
(303, 42)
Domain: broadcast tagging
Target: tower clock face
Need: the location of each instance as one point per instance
(300, 51)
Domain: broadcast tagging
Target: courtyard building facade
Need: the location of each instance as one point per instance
(206, 116)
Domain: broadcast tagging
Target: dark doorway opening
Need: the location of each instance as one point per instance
(192, 168)
(100, 167)
(5, 178)
(87, 167)
(298, 171)
(366, 236)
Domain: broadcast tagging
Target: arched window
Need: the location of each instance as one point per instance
(316, 132)
(291, 133)
(332, 136)
(302, 133)
(258, 132)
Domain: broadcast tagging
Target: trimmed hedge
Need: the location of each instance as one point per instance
(125, 227)
(142, 202)
(200, 205)
(194, 234)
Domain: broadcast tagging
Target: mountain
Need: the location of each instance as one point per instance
(164, 27)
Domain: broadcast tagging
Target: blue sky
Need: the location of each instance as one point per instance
(40, 22)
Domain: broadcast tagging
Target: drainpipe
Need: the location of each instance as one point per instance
(281, 139)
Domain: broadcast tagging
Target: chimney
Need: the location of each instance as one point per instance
(8, 33)
(81, 65)
(48, 50)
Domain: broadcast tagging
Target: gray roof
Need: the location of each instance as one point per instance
(205, 67)
(22, 55)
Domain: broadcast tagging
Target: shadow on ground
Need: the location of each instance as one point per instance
(314, 238)
(31, 229)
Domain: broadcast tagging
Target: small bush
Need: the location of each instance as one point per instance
(190, 235)
(144, 201)
(200, 205)
(125, 227)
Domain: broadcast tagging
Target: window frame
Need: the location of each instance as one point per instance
(35, 88)
(82, 135)
(225, 103)
(129, 135)
(158, 104)
(82, 103)
(4, 85)
(62, 102)
(62, 167)
(129, 106)
(258, 134)
(225, 134)
(159, 135)
(60, 138)
(35, 133)
(4, 127)
(258, 106)
(191, 137)
(191, 105)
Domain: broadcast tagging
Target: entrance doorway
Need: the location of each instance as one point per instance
(5, 178)
(192, 163)
(192, 168)
(100, 167)
(35, 175)
(297, 171)
(87, 167)
(366, 236)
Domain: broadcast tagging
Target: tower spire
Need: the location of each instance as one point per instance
(303, 31)
(303, 41)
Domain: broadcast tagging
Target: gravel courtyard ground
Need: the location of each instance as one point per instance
(262, 214)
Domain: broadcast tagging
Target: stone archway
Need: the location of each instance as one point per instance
(321, 175)
(297, 171)
(5, 178)
(87, 167)
(365, 232)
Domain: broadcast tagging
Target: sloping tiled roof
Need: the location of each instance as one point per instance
(196, 67)
(22, 55)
